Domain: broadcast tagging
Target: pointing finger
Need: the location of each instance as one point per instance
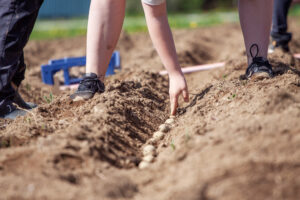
(185, 94)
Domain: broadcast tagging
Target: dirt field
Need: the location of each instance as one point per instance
(236, 139)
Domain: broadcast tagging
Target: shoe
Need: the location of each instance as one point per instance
(275, 45)
(21, 103)
(259, 68)
(88, 86)
(280, 41)
(18, 100)
(9, 111)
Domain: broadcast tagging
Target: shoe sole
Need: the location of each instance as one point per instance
(260, 76)
(79, 98)
(16, 113)
(85, 97)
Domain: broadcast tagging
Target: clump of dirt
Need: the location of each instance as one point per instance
(195, 55)
(280, 101)
(262, 177)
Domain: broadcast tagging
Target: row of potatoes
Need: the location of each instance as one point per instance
(149, 151)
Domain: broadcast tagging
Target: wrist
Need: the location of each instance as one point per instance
(175, 73)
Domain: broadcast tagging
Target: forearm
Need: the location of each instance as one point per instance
(161, 35)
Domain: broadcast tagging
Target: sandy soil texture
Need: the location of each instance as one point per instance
(235, 139)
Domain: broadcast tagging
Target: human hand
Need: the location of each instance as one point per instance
(178, 86)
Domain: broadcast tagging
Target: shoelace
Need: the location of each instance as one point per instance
(258, 60)
(252, 46)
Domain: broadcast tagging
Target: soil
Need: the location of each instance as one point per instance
(235, 139)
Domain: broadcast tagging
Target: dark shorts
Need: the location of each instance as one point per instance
(17, 18)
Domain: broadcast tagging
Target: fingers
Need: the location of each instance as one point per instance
(174, 103)
(174, 100)
(185, 94)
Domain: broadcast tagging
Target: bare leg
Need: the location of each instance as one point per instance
(104, 27)
(256, 19)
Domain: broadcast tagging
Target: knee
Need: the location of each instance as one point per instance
(153, 2)
(157, 10)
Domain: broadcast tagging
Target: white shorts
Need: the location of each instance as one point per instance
(153, 2)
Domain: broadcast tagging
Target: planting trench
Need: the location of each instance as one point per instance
(114, 126)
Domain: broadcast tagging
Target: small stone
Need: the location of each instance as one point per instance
(152, 141)
(98, 109)
(84, 144)
(158, 135)
(164, 128)
(61, 122)
(149, 158)
(170, 121)
(149, 150)
(172, 117)
(144, 165)
(163, 145)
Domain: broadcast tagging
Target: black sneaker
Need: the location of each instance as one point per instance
(280, 41)
(87, 88)
(9, 111)
(259, 68)
(275, 45)
(21, 103)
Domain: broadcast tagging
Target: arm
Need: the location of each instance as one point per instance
(161, 35)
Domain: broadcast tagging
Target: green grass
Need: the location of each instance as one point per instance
(61, 28)
(64, 28)
(56, 33)
(295, 10)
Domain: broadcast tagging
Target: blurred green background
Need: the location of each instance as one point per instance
(182, 14)
(184, 6)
